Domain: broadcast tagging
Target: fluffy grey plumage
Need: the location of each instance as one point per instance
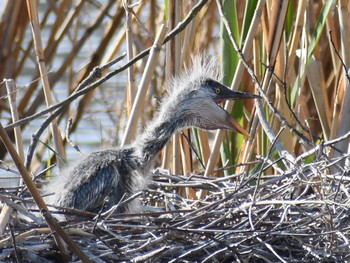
(192, 101)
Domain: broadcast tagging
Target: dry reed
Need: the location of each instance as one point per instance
(286, 199)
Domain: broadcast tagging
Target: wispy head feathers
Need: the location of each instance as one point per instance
(202, 68)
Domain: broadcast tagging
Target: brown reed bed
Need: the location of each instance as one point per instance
(281, 196)
(298, 215)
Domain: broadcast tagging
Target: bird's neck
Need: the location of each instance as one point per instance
(155, 137)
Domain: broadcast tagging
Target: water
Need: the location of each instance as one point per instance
(97, 127)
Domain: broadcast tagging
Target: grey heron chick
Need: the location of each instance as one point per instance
(193, 101)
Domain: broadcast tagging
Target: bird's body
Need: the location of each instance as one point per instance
(114, 173)
(106, 173)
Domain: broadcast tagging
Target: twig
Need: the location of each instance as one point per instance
(284, 85)
(338, 55)
(194, 150)
(20, 209)
(263, 164)
(317, 147)
(14, 244)
(69, 140)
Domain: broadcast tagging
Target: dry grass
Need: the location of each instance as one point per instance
(297, 215)
(285, 194)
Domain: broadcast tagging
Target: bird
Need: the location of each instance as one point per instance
(112, 174)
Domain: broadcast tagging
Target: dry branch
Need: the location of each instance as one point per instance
(294, 215)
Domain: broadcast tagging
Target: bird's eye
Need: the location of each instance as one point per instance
(217, 90)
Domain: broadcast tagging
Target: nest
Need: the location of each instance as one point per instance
(298, 215)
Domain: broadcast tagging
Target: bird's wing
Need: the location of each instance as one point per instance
(101, 174)
(91, 193)
(89, 182)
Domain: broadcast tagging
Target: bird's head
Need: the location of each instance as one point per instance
(200, 107)
(195, 97)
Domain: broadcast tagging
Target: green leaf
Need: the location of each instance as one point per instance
(248, 16)
(229, 64)
(321, 21)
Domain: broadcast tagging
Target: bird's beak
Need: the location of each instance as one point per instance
(228, 94)
(237, 127)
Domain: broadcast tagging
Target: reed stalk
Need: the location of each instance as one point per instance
(282, 50)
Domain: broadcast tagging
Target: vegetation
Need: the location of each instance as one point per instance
(102, 67)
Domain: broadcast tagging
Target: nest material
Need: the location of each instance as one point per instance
(296, 216)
